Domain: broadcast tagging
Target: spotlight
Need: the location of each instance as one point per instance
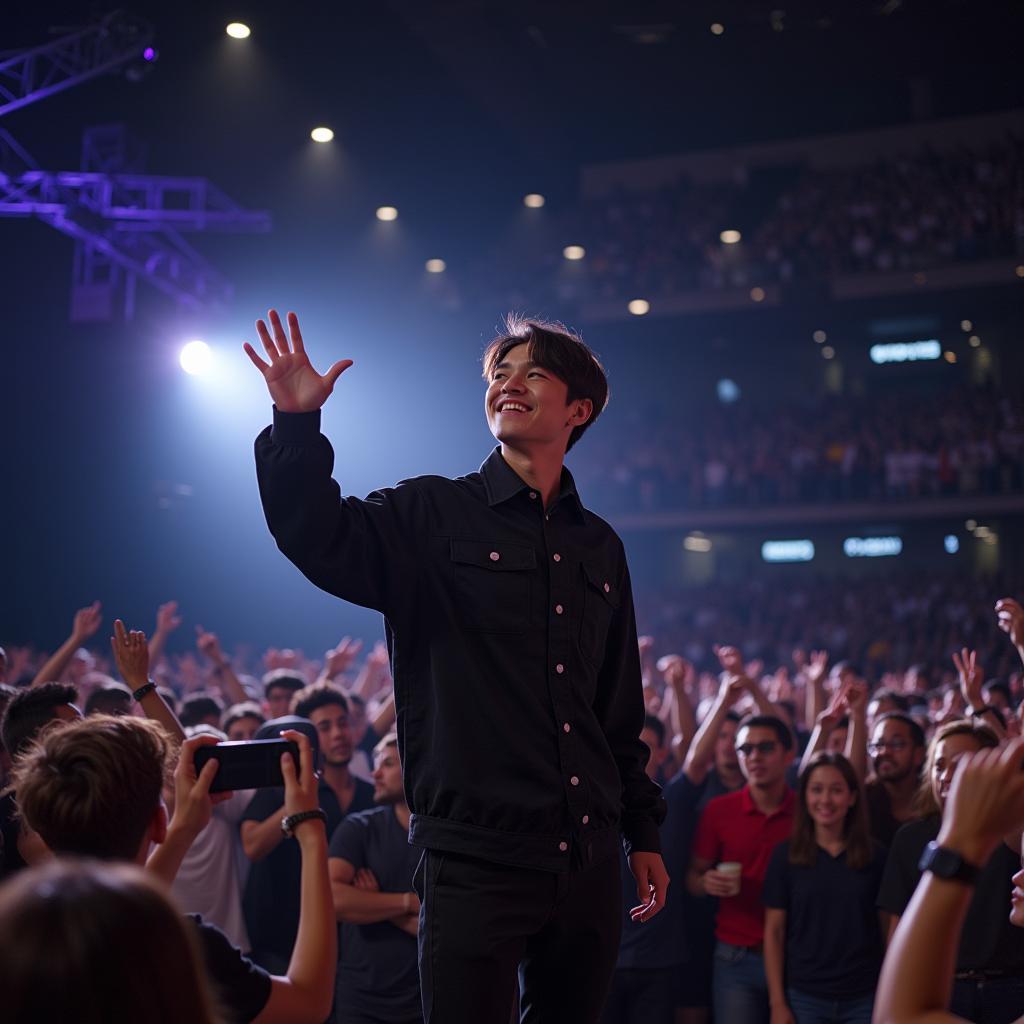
(387, 213)
(436, 266)
(238, 31)
(321, 135)
(966, 326)
(828, 352)
(196, 358)
(534, 200)
(574, 252)
(974, 341)
(638, 307)
(820, 337)
(717, 28)
(149, 54)
(757, 294)
(730, 236)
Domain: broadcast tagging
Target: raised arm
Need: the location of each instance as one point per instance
(678, 674)
(132, 658)
(85, 623)
(701, 754)
(1010, 616)
(305, 993)
(971, 678)
(167, 621)
(857, 733)
(338, 660)
(824, 726)
(814, 671)
(229, 683)
(985, 803)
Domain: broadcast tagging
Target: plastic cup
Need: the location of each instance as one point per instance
(732, 870)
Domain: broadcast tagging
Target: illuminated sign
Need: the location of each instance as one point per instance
(872, 547)
(787, 550)
(906, 351)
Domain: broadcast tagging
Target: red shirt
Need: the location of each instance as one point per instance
(733, 829)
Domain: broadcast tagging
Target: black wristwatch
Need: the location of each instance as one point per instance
(945, 863)
(289, 822)
(147, 687)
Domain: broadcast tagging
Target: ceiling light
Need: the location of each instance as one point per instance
(820, 337)
(730, 236)
(574, 252)
(534, 200)
(757, 294)
(717, 28)
(321, 135)
(828, 352)
(387, 213)
(638, 307)
(436, 266)
(238, 31)
(974, 341)
(966, 326)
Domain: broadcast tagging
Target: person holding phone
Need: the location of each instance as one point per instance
(509, 620)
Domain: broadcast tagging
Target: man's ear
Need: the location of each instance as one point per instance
(582, 410)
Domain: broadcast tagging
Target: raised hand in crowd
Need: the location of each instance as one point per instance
(677, 706)
(131, 655)
(167, 621)
(85, 623)
(972, 678)
(1010, 617)
(229, 683)
(985, 804)
(340, 659)
(815, 668)
(291, 380)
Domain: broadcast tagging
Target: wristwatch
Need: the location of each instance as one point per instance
(146, 688)
(946, 863)
(289, 821)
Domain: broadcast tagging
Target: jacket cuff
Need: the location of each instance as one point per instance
(295, 427)
(642, 837)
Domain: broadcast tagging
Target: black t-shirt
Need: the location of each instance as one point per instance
(377, 972)
(988, 940)
(239, 986)
(272, 892)
(833, 939)
(883, 825)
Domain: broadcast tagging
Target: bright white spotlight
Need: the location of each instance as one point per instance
(321, 135)
(387, 213)
(730, 236)
(534, 200)
(196, 358)
(237, 30)
(574, 252)
(639, 307)
(436, 266)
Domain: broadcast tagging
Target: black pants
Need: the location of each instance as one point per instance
(641, 996)
(480, 922)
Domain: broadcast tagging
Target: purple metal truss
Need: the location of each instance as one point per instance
(126, 224)
(44, 70)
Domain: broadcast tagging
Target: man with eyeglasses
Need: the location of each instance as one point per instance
(897, 750)
(744, 827)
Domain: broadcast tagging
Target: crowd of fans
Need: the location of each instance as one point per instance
(960, 442)
(800, 799)
(911, 213)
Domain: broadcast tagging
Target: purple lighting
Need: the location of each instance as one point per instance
(148, 53)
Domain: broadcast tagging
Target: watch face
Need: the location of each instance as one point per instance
(944, 863)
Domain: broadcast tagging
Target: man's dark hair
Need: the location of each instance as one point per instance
(112, 699)
(916, 732)
(283, 679)
(733, 716)
(198, 707)
(657, 726)
(998, 686)
(562, 352)
(777, 725)
(92, 787)
(899, 699)
(317, 695)
(31, 709)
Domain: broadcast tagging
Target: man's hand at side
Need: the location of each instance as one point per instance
(291, 380)
(651, 884)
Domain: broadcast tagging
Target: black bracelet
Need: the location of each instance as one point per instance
(983, 710)
(146, 688)
(289, 822)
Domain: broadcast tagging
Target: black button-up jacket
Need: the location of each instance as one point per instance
(513, 648)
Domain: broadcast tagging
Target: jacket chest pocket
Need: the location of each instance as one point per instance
(492, 585)
(600, 602)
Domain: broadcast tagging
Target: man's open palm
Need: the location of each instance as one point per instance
(291, 380)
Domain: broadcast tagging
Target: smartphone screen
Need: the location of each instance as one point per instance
(247, 764)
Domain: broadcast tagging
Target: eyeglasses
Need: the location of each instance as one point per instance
(894, 745)
(764, 748)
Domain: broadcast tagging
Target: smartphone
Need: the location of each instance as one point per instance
(247, 764)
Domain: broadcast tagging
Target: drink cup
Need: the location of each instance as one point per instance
(732, 870)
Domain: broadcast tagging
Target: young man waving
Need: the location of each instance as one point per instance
(509, 619)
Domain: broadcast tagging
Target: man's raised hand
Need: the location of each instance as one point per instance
(291, 380)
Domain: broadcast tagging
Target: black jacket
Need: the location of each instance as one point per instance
(513, 647)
